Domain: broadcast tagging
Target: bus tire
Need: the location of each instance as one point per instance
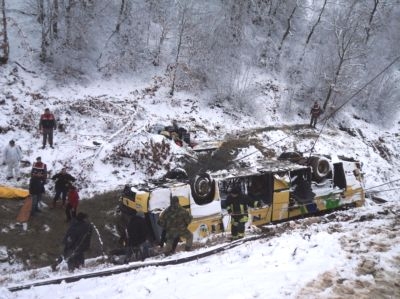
(320, 167)
(203, 189)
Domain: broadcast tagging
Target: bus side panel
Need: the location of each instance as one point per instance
(260, 216)
(280, 206)
(205, 226)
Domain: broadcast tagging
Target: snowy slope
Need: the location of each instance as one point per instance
(107, 125)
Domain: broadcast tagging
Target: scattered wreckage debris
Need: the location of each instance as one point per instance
(174, 132)
(376, 199)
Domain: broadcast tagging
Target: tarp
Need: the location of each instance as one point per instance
(12, 193)
(25, 211)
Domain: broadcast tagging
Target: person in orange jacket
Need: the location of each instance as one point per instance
(73, 201)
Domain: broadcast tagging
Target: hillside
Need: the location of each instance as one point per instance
(243, 76)
(106, 129)
(107, 140)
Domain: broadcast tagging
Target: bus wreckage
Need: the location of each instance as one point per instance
(285, 188)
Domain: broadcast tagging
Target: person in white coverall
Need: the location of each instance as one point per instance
(12, 156)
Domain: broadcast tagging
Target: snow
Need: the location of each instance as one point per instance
(343, 258)
(310, 258)
(302, 262)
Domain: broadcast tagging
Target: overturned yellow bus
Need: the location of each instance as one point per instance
(285, 188)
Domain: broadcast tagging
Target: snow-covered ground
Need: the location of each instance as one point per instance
(354, 255)
(351, 254)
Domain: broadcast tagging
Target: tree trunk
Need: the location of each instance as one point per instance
(178, 50)
(316, 23)
(55, 19)
(333, 84)
(371, 18)
(288, 28)
(121, 16)
(68, 23)
(4, 45)
(41, 20)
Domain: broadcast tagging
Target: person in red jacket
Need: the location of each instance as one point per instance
(73, 201)
(46, 126)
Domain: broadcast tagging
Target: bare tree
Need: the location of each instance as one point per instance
(349, 47)
(4, 45)
(371, 18)
(181, 29)
(122, 15)
(54, 18)
(288, 27)
(42, 21)
(318, 21)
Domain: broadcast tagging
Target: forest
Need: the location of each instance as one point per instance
(333, 51)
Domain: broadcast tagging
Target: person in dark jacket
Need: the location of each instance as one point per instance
(77, 241)
(315, 113)
(47, 124)
(137, 237)
(36, 191)
(39, 171)
(175, 220)
(73, 201)
(237, 207)
(63, 181)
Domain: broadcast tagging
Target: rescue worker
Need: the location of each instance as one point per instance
(315, 113)
(73, 201)
(175, 220)
(237, 206)
(63, 181)
(137, 236)
(47, 124)
(12, 156)
(39, 171)
(77, 241)
(36, 191)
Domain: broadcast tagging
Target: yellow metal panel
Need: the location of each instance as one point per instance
(204, 226)
(280, 184)
(260, 216)
(184, 201)
(140, 204)
(295, 211)
(280, 206)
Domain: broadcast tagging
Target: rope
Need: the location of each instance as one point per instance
(379, 191)
(381, 185)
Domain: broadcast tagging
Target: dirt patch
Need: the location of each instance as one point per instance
(40, 243)
(376, 271)
(225, 157)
